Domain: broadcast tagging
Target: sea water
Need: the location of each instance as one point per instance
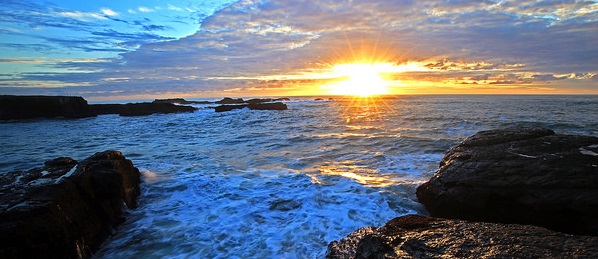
(280, 184)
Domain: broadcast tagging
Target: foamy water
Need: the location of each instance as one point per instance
(280, 184)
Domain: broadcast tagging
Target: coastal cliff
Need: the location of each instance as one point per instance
(29, 107)
(515, 192)
(65, 209)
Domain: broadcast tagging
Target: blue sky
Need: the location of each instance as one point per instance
(151, 49)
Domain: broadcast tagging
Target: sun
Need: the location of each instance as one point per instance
(360, 79)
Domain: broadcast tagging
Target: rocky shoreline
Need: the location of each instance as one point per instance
(14, 107)
(506, 193)
(65, 209)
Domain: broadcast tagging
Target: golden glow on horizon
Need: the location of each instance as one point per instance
(361, 79)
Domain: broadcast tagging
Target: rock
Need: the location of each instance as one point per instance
(258, 100)
(226, 108)
(268, 106)
(252, 106)
(140, 109)
(65, 209)
(29, 107)
(415, 236)
(180, 101)
(228, 100)
(519, 175)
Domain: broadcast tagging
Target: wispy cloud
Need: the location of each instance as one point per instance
(174, 8)
(108, 12)
(144, 9)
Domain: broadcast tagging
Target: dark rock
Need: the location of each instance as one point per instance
(140, 109)
(30, 107)
(180, 101)
(319, 99)
(226, 108)
(258, 100)
(414, 236)
(65, 209)
(519, 175)
(253, 106)
(281, 99)
(228, 100)
(268, 106)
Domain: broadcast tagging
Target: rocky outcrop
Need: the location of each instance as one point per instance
(227, 108)
(140, 109)
(544, 182)
(414, 236)
(519, 175)
(29, 107)
(278, 106)
(180, 101)
(253, 104)
(65, 209)
(228, 100)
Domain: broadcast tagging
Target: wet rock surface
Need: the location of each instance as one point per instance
(519, 175)
(65, 209)
(415, 236)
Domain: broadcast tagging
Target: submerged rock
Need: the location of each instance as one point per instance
(65, 209)
(519, 175)
(414, 236)
(14, 107)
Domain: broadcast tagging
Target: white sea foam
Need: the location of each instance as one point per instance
(148, 176)
(69, 173)
(587, 152)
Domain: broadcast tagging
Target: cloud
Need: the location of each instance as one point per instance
(144, 9)
(174, 8)
(83, 16)
(108, 12)
(530, 44)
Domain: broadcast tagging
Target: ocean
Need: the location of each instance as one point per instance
(280, 184)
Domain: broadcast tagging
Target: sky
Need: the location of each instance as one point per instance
(109, 50)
